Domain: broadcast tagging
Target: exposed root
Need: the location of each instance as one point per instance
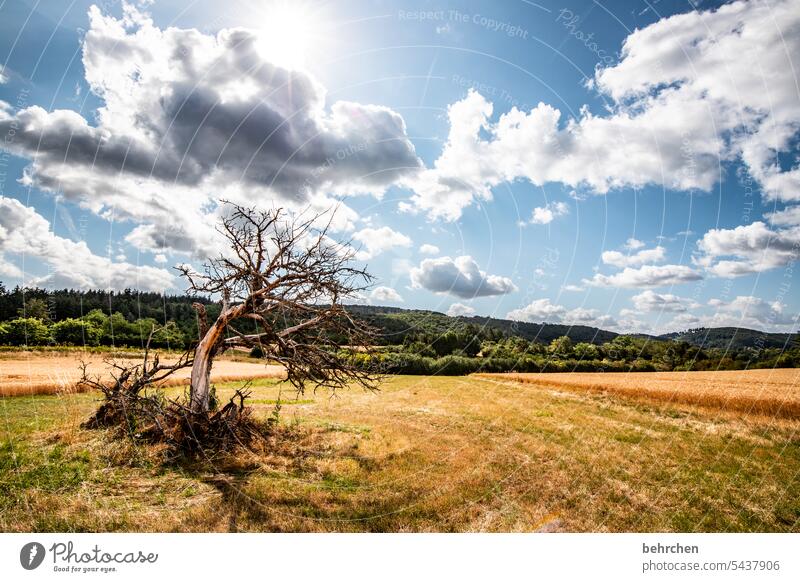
(153, 419)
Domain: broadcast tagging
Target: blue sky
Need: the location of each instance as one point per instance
(506, 159)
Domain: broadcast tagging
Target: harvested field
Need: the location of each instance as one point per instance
(430, 454)
(28, 373)
(774, 393)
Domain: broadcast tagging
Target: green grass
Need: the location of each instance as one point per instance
(423, 454)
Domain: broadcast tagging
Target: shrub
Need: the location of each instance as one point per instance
(27, 331)
(76, 332)
(455, 366)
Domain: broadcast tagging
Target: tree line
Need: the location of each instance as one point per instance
(462, 353)
(409, 342)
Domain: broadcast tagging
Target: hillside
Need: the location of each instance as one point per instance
(733, 338)
(397, 323)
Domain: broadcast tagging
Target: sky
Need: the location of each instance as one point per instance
(627, 165)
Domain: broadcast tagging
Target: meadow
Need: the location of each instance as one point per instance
(553, 453)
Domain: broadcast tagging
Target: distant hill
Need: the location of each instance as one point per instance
(733, 338)
(396, 323)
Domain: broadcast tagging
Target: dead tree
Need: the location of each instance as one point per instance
(284, 279)
(287, 279)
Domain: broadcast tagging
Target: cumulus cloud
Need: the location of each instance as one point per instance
(787, 217)
(747, 249)
(675, 114)
(750, 310)
(460, 277)
(385, 294)
(742, 311)
(650, 301)
(428, 249)
(630, 322)
(646, 276)
(378, 240)
(573, 288)
(24, 232)
(188, 117)
(548, 213)
(636, 259)
(460, 310)
(544, 311)
(633, 244)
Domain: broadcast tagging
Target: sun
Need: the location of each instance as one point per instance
(287, 31)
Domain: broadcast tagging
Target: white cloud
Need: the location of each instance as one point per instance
(187, 118)
(629, 322)
(544, 311)
(747, 249)
(428, 249)
(385, 294)
(787, 217)
(378, 240)
(459, 309)
(743, 311)
(642, 257)
(633, 244)
(460, 277)
(549, 212)
(9, 269)
(679, 106)
(539, 310)
(752, 99)
(71, 264)
(650, 301)
(590, 317)
(646, 276)
(160, 258)
(573, 288)
(750, 310)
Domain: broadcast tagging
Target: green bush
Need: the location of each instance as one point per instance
(167, 336)
(76, 332)
(27, 331)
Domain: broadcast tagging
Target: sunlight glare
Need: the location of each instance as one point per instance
(288, 31)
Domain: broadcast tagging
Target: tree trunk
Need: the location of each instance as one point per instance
(203, 358)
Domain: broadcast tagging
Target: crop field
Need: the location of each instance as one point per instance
(50, 373)
(768, 392)
(563, 453)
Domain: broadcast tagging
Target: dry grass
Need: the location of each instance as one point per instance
(424, 454)
(29, 373)
(774, 392)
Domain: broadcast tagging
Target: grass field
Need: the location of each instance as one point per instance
(423, 454)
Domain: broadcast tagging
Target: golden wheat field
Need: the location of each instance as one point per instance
(771, 392)
(26, 373)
